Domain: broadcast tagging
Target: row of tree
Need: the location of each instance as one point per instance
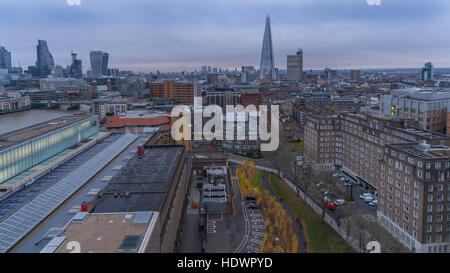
(280, 235)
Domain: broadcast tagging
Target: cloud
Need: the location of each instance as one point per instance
(183, 34)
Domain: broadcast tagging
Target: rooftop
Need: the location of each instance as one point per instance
(423, 151)
(142, 185)
(148, 120)
(21, 135)
(110, 233)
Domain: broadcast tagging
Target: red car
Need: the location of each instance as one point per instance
(330, 206)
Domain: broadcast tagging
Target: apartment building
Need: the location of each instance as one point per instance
(414, 195)
(354, 143)
(384, 155)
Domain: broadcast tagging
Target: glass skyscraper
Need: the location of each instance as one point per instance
(44, 63)
(5, 58)
(99, 63)
(267, 70)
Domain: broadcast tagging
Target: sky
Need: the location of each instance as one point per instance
(176, 35)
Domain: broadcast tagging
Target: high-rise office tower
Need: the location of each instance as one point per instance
(295, 66)
(267, 70)
(99, 63)
(427, 72)
(76, 69)
(105, 59)
(355, 75)
(5, 58)
(44, 63)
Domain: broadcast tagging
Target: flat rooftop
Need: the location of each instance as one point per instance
(19, 136)
(423, 151)
(143, 184)
(109, 233)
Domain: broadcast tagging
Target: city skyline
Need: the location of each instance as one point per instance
(228, 34)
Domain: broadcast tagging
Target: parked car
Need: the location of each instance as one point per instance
(320, 184)
(253, 206)
(374, 202)
(250, 198)
(325, 191)
(327, 199)
(362, 195)
(368, 198)
(339, 202)
(330, 206)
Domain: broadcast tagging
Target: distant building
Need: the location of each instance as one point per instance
(109, 106)
(331, 74)
(181, 92)
(295, 67)
(427, 72)
(99, 63)
(45, 63)
(248, 74)
(5, 58)
(428, 106)
(16, 103)
(355, 75)
(267, 67)
(76, 69)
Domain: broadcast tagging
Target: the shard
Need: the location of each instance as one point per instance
(267, 70)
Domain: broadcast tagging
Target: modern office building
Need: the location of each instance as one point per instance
(5, 58)
(427, 106)
(25, 148)
(355, 75)
(99, 63)
(427, 72)
(44, 63)
(267, 66)
(181, 92)
(105, 59)
(295, 67)
(76, 69)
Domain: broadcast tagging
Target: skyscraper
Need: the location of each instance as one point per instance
(44, 63)
(76, 69)
(295, 66)
(267, 71)
(105, 59)
(99, 63)
(5, 58)
(427, 72)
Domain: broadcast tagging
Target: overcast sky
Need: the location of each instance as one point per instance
(174, 35)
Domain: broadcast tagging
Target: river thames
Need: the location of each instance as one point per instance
(13, 121)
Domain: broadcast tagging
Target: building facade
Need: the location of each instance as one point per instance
(181, 92)
(25, 148)
(295, 67)
(267, 66)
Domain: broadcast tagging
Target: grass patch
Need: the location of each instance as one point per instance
(321, 237)
(256, 179)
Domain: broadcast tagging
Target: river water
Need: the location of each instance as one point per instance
(13, 121)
